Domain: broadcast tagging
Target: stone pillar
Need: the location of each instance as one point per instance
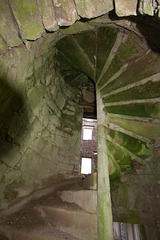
(105, 229)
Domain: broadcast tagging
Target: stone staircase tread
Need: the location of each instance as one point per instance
(48, 232)
(56, 202)
(27, 223)
(28, 218)
(80, 224)
(85, 199)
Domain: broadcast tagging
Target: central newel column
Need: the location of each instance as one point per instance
(105, 230)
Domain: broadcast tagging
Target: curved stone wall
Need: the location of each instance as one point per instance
(111, 51)
(40, 123)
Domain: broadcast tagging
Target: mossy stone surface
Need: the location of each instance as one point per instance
(91, 9)
(8, 30)
(150, 90)
(34, 97)
(148, 130)
(150, 110)
(134, 145)
(76, 55)
(48, 15)
(121, 157)
(77, 27)
(128, 51)
(106, 38)
(28, 18)
(141, 69)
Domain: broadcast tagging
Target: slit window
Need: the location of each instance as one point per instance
(86, 165)
(87, 134)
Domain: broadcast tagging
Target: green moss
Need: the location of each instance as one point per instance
(76, 28)
(104, 43)
(139, 110)
(132, 218)
(147, 91)
(87, 41)
(134, 145)
(142, 232)
(105, 216)
(124, 196)
(8, 30)
(122, 158)
(113, 169)
(119, 155)
(28, 18)
(78, 58)
(148, 130)
(145, 67)
(127, 52)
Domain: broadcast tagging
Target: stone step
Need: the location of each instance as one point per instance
(26, 224)
(45, 233)
(90, 182)
(80, 224)
(86, 199)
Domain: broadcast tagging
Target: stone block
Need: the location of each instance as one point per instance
(94, 8)
(76, 28)
(48, 15)
(8, 29)
(148, 7)
(90, 182)
(86, 199)
(65, 11)
(34, 98)
(125, 8)
(28, 18)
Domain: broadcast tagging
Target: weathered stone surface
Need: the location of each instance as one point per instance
(3, 45)
(40, 138)
(125, 8)
(90, 182)
(76, 28)
(65, 11)
(48, 15)
(80, 224)
(46, 136)
(147, 7)
(91, 9)
(28, 18)
(7, 27)
(86, 199)
(34, 97)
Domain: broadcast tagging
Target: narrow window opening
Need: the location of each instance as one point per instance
(87, 134)
(86, 165)
(88, 148)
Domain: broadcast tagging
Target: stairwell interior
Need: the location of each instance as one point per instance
(105, 68)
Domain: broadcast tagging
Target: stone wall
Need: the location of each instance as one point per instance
(40, 123)
(28, 20)
(35, 98)
(88, 148)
